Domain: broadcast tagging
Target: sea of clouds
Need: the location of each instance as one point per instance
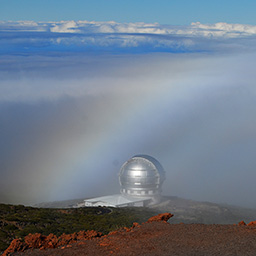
(91, 36)
(78, 98)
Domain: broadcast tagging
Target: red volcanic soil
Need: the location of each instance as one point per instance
(156, 237)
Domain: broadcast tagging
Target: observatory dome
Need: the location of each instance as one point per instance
(141, 176)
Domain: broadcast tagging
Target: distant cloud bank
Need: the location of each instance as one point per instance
(84, 27)
(30, 36)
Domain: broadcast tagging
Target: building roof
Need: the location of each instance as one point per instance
(117, 200)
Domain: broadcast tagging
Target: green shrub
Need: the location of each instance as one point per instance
(58, 221)
(3, 246)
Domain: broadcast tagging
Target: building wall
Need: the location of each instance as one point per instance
(101, 203)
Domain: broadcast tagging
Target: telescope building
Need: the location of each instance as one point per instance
(141, 179)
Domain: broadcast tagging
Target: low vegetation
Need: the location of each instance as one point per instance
(17, 221)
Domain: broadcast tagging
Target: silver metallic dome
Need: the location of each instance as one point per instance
(141, 176)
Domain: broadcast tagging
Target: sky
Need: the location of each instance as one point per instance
(175, 12)
(85, 86)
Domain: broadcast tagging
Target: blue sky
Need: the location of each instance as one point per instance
(174, 12)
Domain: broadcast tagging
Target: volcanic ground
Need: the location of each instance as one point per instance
(158, 237)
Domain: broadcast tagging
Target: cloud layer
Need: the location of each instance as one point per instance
(77, 99)
(86, 27)
(88, 36)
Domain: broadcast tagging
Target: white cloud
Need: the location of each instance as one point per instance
(196, 28)
(113, 36)
(82, 36)
(225, 29)
(65, 27)
(22, 26)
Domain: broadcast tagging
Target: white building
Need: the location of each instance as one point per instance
(140, 178)
(117, 201)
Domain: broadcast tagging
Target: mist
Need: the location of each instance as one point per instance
(69, 119)
(66, 130)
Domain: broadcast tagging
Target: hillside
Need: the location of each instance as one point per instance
(186, 211)
(190, 211)
(17, 221)
(155, 237)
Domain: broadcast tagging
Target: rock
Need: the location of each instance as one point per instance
(113, 232)
(66, 239)
(39, 241)
(160, 217)
(35, 240)
(242, 223)
(88, 235)
(135, 224)
(252, 224)
(16, 246)
(51, 241)
(79, 236)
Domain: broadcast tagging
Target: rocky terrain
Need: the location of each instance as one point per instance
(17, 221)
(37, 230)
(155, 237)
